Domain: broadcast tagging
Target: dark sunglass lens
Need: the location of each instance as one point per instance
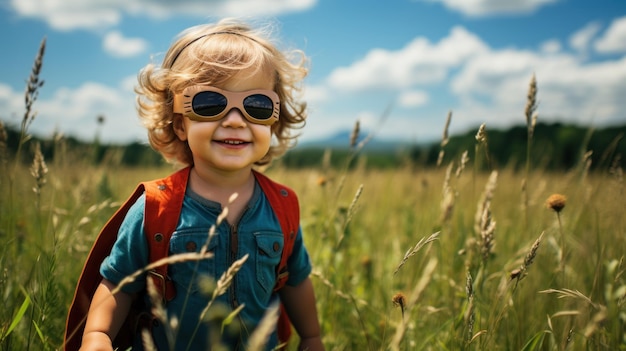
(208, 103)
(259, 106)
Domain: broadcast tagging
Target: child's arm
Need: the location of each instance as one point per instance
(299, 302)
(106, 316)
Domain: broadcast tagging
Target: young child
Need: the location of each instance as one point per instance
(222, 102)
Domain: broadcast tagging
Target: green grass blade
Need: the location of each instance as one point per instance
(19, 315)
(535, 342)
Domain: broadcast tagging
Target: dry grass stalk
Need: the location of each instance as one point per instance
(531, 120)
(355, 200)
(349, 214)
(447, 201)
(481, 135)
(440, 157)
(586, 162)
(261, 335)
(462, 164)
(227, 278)
(470, 315)
(556, 202)
(146, 340)
(38, 170)
(531, 103)
(222, 286)
(444, 139)
(469, 284)
(484, 225)
(470, 318)
(481, 140)
(354, 136)
(596, 322)
(160, 313)
(485, 201)
(533, 124)
(330, 285)
(520, 273)
(178, 258)
(32, 87)
(573, 294)
(222, 216)
(412, 251)
(487, 231)
(415, 295)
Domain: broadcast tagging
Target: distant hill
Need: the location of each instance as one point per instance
(341, 140)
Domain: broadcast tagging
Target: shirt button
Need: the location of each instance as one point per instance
(276, 246)
(191, 246)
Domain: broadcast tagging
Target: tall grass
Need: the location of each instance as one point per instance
(398, 263)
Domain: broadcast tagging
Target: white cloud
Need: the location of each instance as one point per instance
(74, 111)
(128, 84)
(486, 85)
(413, 98)
(614, 39)
(419, 62)
(580, 40)
(117, 45)
(491, 7)
(72, 14)
(316, 93)
(492, 88)
(551, 46)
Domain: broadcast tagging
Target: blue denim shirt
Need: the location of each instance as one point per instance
(258, 233)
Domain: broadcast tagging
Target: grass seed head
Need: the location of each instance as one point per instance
(39, 169)
(481, 135)
(354, 137)
(399, 300)
(531, 102)
(556, 202)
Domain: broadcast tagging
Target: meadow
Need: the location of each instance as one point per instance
(460, 256)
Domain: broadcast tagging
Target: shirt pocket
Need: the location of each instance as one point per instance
(186, 274)
(268, 253)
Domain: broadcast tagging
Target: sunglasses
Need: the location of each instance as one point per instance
(206, 103)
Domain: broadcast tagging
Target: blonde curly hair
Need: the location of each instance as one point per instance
(212, 54)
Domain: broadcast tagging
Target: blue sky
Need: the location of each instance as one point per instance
(421, 57)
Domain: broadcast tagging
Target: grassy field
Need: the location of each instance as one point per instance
(455, 257)
(404, 259)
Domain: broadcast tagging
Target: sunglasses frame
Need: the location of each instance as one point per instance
(234, 99)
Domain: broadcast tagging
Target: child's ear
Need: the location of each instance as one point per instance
(179, 127)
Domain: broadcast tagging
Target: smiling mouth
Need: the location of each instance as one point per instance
(232, 142)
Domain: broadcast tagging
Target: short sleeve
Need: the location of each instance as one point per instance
(299, 263)
(130, 251)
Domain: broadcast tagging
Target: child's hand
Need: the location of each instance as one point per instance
(311, 344)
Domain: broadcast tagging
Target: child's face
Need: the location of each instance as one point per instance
(231, 143)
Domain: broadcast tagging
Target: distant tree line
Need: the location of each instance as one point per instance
(554, 146)
(72, 150)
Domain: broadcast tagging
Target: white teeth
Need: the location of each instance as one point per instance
(233, 142)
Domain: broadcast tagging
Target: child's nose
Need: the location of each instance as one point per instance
(234, 118)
